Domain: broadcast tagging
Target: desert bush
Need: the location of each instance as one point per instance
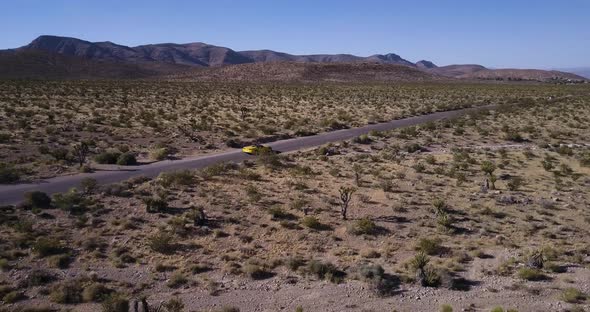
(37, 200)
(531, 274)
(430, 246)
(217, 170)
(295, 263)
(8, 174)
(162, 242)
(116, 189)
(250, 175)
(88, 185)
(413, 147)
(155, 204)
(38, 278)
(446, 308)
(573, 295)
(13, 297)
(488, 167)
(362, 139)
(176, 178)
(228, 309)
(419, 261)
(325, 270)
(160, 154)
(59, 153)
(61, 261)
(513, 135)
(253, 193)
(312, 223)
(255, 271)
(174, 305)
(72, 201)
(115, 303)
(363, 226)
(127, 159)
(278, 213)
(387, 185)
(108, 157)
(269, 160)
(48, 246)
(419, 167)
(95, 292)
(378, 281)
(5, 265)
(445, 221)
(176, 280)
(67, 292)
(515, 183)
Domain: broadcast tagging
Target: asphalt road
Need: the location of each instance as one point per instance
(13, 193)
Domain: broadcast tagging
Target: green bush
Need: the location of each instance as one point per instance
(362, 139)
(573, 295)
(13, 297)
(176, 280)
(446, 308)
(278, 213)
(160, 153)
(176, 178)
(68, 292)
(430, 246)
(326, 271)
(419, 261)
(95, 292)
(127, 159)
(48, 246)
(413, 147)
(155, 204)
(515, 183)
(531, 274)
(107, 158)
(174, 305)
(162, 243)
(312, 223)
(115, 303)
(73, 202)
(255, 271)
(8, 174)
(61, 261)
(39, 278)
(37, 200)
(88, 185)
(364, 226)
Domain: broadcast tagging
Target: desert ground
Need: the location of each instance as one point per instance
(487, 212)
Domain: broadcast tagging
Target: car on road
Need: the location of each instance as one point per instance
(257, 149)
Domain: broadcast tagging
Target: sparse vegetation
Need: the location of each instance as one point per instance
(218, 230)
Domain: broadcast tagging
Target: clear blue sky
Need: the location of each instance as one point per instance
(495, 33)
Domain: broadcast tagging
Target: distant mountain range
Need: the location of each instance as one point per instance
(63, 57)
(580, 71)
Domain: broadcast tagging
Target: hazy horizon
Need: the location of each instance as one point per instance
(502, 34)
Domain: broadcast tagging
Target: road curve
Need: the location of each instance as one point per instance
(13, 193)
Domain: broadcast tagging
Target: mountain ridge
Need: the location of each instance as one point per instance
(77, 56)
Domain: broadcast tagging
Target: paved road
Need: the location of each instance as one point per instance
(12, 194)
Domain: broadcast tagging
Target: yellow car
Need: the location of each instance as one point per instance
(257, 149)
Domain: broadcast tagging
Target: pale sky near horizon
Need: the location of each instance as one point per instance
(502, 33)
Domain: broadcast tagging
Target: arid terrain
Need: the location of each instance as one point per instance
(487, 212)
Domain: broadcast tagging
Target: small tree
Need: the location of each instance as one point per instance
(357, 174)
(488, 168)
(345, 197)
(243, 112)
(80, 152)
